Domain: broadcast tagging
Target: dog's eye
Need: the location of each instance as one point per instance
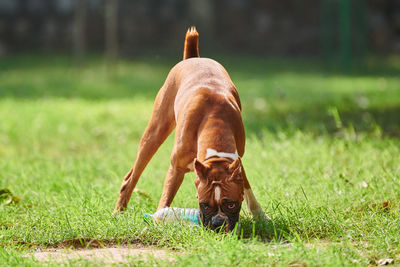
(231, 206)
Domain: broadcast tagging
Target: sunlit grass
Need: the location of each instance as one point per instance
(329, 181)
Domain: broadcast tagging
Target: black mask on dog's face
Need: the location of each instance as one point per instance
(219, 187)
(223, 217)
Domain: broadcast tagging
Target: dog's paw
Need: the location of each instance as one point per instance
(264, 216)
(260, 215)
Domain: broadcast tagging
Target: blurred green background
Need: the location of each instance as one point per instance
(277, 94)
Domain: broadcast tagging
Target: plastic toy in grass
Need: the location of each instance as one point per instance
(169, 214)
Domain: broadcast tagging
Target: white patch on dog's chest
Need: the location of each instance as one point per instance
(214, 153)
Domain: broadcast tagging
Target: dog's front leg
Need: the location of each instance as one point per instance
(172, 182)
(253, 205)
(251, 201)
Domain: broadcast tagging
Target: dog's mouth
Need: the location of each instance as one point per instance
(226, 226)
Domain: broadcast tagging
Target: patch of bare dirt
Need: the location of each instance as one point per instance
(106, 255)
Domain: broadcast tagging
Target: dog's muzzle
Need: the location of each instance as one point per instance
(218, 221)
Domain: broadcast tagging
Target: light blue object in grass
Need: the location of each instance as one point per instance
(169, 214)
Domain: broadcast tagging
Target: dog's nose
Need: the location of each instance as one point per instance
(217, 221)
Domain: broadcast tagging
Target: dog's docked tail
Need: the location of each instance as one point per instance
(191, 43)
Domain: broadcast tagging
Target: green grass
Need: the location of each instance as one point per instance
(322, 156)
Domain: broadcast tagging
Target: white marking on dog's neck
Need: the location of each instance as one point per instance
(214, 153)
(217, 193)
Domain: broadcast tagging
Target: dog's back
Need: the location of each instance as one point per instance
(198, 80)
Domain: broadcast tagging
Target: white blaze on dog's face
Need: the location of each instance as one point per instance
(219, 186)
(217, 193)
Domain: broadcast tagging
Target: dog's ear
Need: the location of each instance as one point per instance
(235, 168)
(201, 169)
(196, 183)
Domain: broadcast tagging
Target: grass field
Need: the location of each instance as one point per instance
(322, 155)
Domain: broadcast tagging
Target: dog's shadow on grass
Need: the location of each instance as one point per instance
(264, 230)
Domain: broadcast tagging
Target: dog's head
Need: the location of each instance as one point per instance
(219, 185)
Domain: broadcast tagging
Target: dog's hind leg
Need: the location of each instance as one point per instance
(160, 126)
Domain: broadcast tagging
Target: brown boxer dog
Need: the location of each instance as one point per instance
(199, 99)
